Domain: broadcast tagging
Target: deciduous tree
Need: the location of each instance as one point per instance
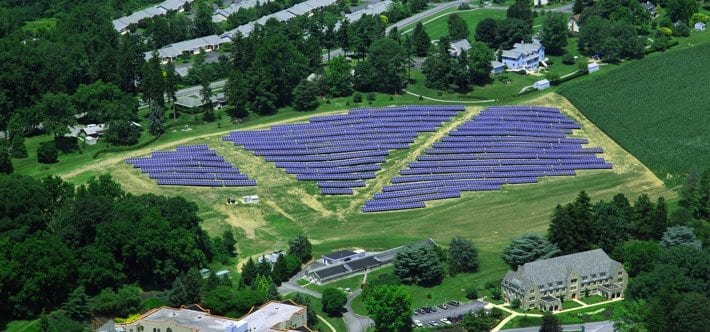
(420, 265)
(462, 256)
(333, 301)
(554, 33)
(487, 31)
(458, 29)
(390, 307)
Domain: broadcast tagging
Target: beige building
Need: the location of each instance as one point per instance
(273, 316)
(545, 284)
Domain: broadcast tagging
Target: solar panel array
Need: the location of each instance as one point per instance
(191, 165)
(340, 152)
(502, 145)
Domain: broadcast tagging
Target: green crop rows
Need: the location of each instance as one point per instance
(656, 108)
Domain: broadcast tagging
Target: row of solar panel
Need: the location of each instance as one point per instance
(498, 156)
(159, 169)
(329, 157)
(333, 170)
(340, 184)
(503, 162)
(517, 138)
(201, 176)
(480, 175)
(207, 183)
(576, 150)
(326, 164)
(393, 207)
(184, 163)
(521, 168)
(345, 176)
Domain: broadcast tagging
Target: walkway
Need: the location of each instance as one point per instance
(516, 313)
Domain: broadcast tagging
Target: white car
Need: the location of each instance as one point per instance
(418, 323)
(445, 321)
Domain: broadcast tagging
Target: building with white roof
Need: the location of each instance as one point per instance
(273, 316)
(222, 14)
(121, 24)
(524, 56)
(371, 9)
(187, 47)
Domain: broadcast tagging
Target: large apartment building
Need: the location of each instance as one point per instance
(546, 283)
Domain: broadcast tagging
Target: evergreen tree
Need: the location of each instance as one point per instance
(527, 248)
(458, 29)
(462, 256)
(230, 242)
(203, 20)
(207, 104)
(680, 235)
(550, 323)
(280, 271)
(511, 31)
(420, 40)
(659, 219)
(578, 6)
(5, 163)
(561, 231)
(643, 215)
(305, 96)
(459, 74)
(444, 45)
(77, 305)
(610, 225)
(695, 194)
(155, 119)
(300, 247)
(249, 272)
(171, 81)
(152, 82)
(263, 268)
(17, 146)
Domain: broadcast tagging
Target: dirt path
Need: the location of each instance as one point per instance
(384, 176)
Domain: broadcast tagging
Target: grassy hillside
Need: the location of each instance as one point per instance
(656, 108)
(288, 206)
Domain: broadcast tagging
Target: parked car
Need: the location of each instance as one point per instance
(433, 323)
(445, 321)
(443, 306)
(418, 323)
(454, 303)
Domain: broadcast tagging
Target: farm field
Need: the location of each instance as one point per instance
(666, 125)
(289, 206)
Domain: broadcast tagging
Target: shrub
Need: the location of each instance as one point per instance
(357, 97)
(495, 293)
(471, 293)
(47, 153)
(568, 59)
(515, 304)
(371, 96)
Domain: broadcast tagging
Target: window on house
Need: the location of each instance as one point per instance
(532, 298)
(602, 274)
(620, 273)
(573, 280)
(559, 283)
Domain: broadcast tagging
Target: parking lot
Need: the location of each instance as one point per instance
(448, 313)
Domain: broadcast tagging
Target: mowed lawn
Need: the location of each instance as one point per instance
(656, 108)
(437, 26)
(289, 206)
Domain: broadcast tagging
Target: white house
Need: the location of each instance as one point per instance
(699, 26)
(573, 23)
(592, 67)
(524, 56)
(541, 84)
(497, 67)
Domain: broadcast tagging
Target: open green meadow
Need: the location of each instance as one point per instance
(437, 26)
(656, 108)
(289, 206)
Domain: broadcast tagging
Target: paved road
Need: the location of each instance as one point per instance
(450, 312)
(292, 286)
(605, 326)
(353, 321)
(195, 90)
(409, 20)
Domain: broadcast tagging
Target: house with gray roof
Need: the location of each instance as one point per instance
(457, 46)
(121, 24)
(546, 283)
(524, 56)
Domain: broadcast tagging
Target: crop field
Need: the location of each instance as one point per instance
(655, 108)
(289, 206)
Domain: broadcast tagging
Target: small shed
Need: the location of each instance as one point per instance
(592, 67)
(250, 199)
(497, 67)
(541, 84)
(699, 26)
(222, 273)
(90, 140)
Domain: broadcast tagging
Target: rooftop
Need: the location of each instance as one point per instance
(194, 319)
(271, 314)
(340, 254)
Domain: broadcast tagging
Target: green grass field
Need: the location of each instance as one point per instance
(654, 108)
(21, 326)
(437, 26)
(289, 206)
